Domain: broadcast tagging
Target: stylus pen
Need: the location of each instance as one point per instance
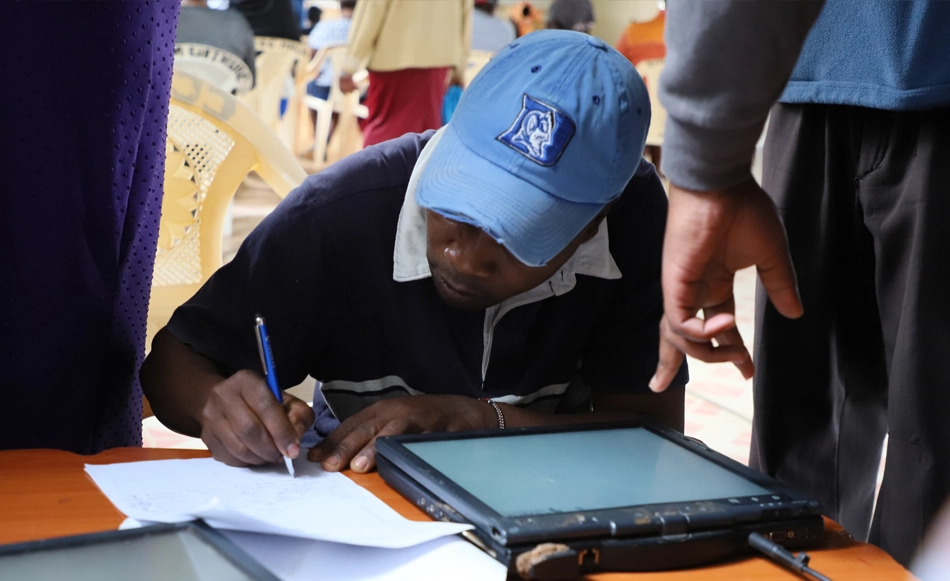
(267, 362)
(783, 557)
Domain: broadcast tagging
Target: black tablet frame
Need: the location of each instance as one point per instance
(223, 545)
(666, 519)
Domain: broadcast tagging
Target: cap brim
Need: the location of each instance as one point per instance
(532, 224)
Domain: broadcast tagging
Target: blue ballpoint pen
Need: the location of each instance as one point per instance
(267, 362)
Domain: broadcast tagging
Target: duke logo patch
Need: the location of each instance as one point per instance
(540, 132)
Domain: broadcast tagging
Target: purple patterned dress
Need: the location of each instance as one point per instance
(82, 149)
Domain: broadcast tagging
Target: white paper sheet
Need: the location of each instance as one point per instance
(294, 559)
(314, 505)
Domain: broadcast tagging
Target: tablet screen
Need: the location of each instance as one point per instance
(180, 554)
(535, 474)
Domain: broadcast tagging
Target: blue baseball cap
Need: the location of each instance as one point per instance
(547, 134)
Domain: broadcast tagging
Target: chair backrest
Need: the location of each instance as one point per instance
(213, 142)
(346, 105)
(219, 67)
(650, 71)
(278, 60)
(313, 68)
(477, 59)
(304, 131)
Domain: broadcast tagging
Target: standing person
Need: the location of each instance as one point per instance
(83, 151)
(273, 18)
(329, 33)
(409, 47)
(856, 166)
(488, 32)
(576, 15)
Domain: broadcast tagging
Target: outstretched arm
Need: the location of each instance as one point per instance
(709, 236)
(727, 63)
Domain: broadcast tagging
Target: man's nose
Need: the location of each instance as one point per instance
(472, 252)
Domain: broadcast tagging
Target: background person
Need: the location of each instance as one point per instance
(642, 41)
(855, 166)
(329, 33)
(312, 18)
(576, 15)
(488, 32)
(526, 18)
(409, 48)
(273, 18)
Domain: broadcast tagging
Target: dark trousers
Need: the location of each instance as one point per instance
(865, 196)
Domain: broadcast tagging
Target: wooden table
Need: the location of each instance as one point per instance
(46, 493)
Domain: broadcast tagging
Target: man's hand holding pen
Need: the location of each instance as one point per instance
(242, 423)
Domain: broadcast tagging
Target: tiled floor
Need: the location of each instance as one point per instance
(718, 399)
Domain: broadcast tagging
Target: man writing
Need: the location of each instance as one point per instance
(511, 257)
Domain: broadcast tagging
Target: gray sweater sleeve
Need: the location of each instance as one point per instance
(727, 62)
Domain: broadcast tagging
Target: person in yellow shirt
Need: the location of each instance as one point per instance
(409, 47)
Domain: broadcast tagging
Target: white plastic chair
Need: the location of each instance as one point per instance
(219, 67)
(477, 59)
(346, 105)
(278, 59)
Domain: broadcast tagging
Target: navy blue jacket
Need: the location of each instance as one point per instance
(320, 269)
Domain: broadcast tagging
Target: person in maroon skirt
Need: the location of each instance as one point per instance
(409, 48)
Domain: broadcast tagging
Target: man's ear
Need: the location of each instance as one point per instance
(590, 230)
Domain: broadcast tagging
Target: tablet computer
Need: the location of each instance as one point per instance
(609, 491)
(190, 551)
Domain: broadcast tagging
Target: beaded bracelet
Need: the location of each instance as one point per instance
(501, 416)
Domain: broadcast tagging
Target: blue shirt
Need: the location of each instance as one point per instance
(880, 54)
(490, 33)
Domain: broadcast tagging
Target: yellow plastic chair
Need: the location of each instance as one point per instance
(223, 69)
(279, 61)
(650, 71)
(346, 105)
(213, 142)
